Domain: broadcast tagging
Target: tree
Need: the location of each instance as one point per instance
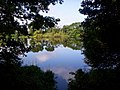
(26, 78)
(102, 79)
(74, 30)
(101, 32)
(15, 14)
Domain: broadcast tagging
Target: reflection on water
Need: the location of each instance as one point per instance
(60, 58)
(58, 55)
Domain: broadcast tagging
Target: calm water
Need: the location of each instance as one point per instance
(59, 58)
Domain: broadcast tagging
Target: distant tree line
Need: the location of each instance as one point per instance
(73, 30)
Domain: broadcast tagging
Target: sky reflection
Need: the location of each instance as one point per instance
(61, 61)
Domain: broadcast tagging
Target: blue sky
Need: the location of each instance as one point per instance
(67, 12)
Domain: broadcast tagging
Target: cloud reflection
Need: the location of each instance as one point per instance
(62, 71)
(43, 57)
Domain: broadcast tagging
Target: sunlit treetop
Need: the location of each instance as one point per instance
(15, 14)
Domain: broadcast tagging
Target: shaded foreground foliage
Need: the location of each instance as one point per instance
(101, 33)
(102, 79)
(14, 76)
(15, 14)
(101, 46)
(25, 78)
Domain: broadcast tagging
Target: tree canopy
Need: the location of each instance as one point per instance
(15, 14)
(101, 32)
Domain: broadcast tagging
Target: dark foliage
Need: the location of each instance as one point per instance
(15, 14)
(13, 76)
(10, 50)
(25, 78)
(101, 32)
(101, 46)
(107, 79)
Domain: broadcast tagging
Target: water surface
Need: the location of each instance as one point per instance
(59, 58)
